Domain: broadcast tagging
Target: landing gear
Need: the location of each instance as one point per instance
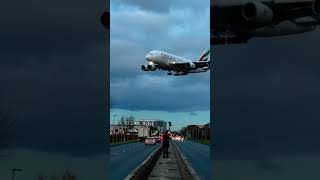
(180, 73)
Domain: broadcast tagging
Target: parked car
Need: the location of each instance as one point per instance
(150, 141)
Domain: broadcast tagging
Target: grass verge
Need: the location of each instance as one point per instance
(121, 143)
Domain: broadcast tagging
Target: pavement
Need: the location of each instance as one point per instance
(125, 158)
(198, 155)
(166, 168)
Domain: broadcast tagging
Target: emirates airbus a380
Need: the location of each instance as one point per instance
(181, 66)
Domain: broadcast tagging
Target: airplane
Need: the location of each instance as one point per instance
(181, 66)
(237, 21)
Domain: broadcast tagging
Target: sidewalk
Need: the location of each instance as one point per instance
(166, 168)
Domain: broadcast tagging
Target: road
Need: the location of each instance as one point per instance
(125, 158)
(198, 156)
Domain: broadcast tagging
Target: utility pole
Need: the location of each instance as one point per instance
(13, 171)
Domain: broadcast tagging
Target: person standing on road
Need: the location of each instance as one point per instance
(165, 144)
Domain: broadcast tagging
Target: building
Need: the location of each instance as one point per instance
(143, 128)
(158, 126)
(116, 129)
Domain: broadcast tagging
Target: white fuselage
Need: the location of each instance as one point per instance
(164, 59)
(167, 60)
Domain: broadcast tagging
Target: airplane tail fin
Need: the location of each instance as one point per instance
(205, 56)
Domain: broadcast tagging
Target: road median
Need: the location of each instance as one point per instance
(187, 172)
(144, 169)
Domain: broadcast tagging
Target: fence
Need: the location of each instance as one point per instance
(114, 138)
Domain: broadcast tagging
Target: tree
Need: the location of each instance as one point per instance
(126, 123)
(183, 131)
(207, 131)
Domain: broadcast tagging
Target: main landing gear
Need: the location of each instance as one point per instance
(180, 73)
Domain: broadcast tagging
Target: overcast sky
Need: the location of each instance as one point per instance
(52, 74)
(266, 96)
(178, 27)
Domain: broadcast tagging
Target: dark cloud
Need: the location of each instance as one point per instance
(168, 26)
(150, 92)
(266, 98)
(52, 75)
(164, 7)
(279, 168)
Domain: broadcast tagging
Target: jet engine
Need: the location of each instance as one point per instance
(257, 12)
(316, 7)
(144, 67)
(191, 65)
(151, 67)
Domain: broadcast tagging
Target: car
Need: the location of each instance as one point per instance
(157, 138)
(150, 141)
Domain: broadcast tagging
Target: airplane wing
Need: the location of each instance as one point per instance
(191, 65)
(308, 21)
(163, 68)
(236, 21)
(262, 12)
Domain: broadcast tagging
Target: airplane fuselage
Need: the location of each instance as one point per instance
(166, 61)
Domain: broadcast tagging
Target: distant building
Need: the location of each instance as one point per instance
(116, 129)
(142, 128)
(157, 124)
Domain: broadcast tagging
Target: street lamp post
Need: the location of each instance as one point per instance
(13, 171)
(114, 116)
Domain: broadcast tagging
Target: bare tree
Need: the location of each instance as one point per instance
(40, 176)
(207, 131)
(67, 175)
(126, 123)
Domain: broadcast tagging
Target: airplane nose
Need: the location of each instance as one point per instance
(148, 57)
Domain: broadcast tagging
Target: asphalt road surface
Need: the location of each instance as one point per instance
(125, 158)
(198, 156)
